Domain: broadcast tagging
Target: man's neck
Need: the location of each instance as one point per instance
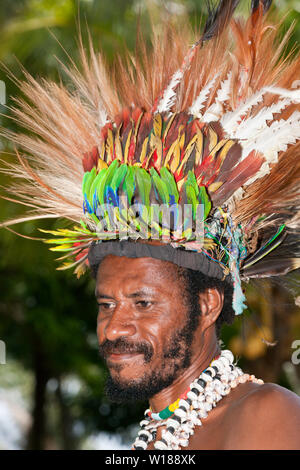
(199, 363)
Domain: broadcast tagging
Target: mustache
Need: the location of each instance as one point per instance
(123, 346)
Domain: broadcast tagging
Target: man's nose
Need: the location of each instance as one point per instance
(120, 324)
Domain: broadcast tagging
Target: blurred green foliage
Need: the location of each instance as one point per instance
(48, 318)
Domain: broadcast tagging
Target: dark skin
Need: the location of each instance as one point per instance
(141, 300)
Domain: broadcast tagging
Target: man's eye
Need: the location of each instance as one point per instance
(105, 306)
(144, 303)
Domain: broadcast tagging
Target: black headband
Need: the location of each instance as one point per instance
(179, 256)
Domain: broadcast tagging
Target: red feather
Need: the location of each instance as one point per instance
(238, 176)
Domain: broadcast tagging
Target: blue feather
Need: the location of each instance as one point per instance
(95, 201)
(172, 200)
(88, 207)
(111, 197)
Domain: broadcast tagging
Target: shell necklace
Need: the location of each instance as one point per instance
(191, 408)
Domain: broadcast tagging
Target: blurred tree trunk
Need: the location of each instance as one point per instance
(37, 433)
(66, 421)
(269, 366)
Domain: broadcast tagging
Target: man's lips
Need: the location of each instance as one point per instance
(122, 356)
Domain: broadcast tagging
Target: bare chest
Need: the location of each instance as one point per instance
(211, 435)
(221, 430)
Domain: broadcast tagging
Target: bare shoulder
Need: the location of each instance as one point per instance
(268, 418)
(278, 395)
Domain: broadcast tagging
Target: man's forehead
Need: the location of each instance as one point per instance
(112, 262)
(144, 269)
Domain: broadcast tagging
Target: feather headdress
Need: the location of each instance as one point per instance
(216, 124)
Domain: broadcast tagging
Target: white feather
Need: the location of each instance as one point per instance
(169, 94)
(249, 128)
(272, 140)
(215, 111)
(293, 95)
(279, 135)
(102, 116)
(230, 120)
(198, 103)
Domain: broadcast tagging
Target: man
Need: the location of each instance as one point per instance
(182, 174)
(156, 339)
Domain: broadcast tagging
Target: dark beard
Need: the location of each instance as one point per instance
(176, 358)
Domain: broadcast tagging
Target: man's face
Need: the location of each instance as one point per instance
(144, 326)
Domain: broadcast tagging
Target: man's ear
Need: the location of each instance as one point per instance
(211, 303)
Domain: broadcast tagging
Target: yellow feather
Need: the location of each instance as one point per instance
(137, 126)
(188, 152)
(109, 145)
(156, 144)
(102, 151)
(213, 139)
(170, 152)
(180, 183)
(149, 158)
(170, 122)
(182, 137)
(218, 147)
(199, 148)
(157, 125)
(118, 147)
(214, 186)
(101, 164)
(127, 147)
(144, 150)
(176, 158)
(80, 270)
(225, 150)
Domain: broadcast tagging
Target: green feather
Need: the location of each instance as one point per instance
(128, 185)
(94, 185)
(170, 182)
(83, 224)
(204, 199)
(191, 197)
(155, 215)
(263, 251)
(65, 232)
(101, 185)
(67, 247)
(63, 241)
(143, 180)
(192, 181)
(88, 177)
(94, 218)
(160, 186)
(279, 231)
(105, 180)
(119, 176)
(111, 170)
